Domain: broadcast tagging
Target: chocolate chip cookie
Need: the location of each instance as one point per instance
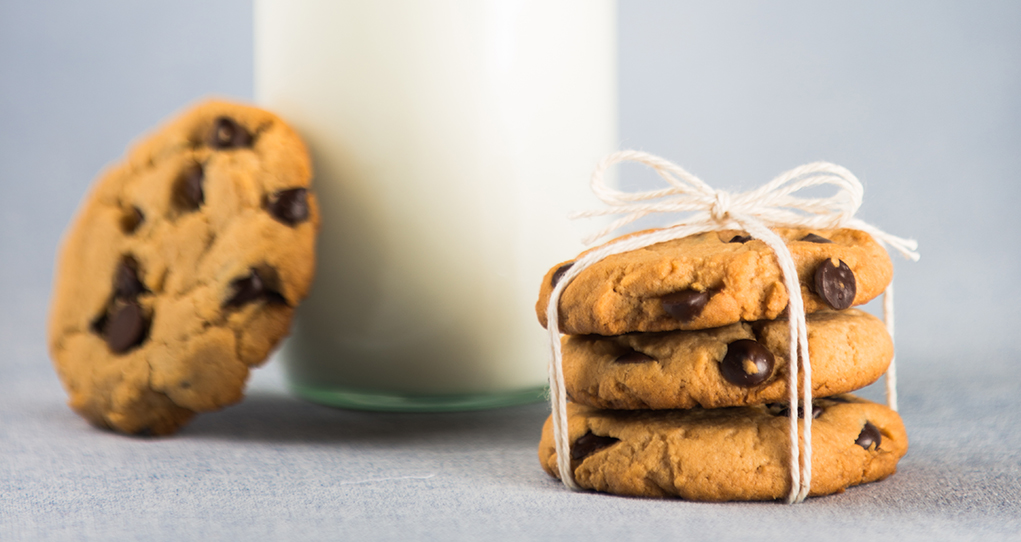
(182, 269)
(735, 365)
(715, 279)
(740, 453)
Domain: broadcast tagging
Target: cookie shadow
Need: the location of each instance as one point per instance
(280, 418)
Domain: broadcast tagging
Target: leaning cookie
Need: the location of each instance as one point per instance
(735, 365)
(740, 453)
(714, 279)
(182, 269)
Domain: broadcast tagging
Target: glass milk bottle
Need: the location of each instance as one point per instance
(450, 139)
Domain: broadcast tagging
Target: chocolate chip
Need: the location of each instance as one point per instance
(869, 435)
(589, 444)
(740, 239)
(228, 134)
(290, 206)
(126, 328)
(251, 288)
(126, 284)
(813, 238)
(275, 297)
(189, 194)
(835, 284)
(246, 289)
(784, 410)
(633, 357)
(132, 220)
(747, 363)
(686, 305)
(98, 326)
(559, 273)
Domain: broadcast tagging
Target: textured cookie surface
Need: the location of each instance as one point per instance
(182, 269)
(739, 453)
(715, 279)
(735, 365)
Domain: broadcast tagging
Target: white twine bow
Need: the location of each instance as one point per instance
(770, 206)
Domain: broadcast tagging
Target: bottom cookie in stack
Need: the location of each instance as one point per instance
(724, 454)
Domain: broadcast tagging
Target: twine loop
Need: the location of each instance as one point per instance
(772, 205)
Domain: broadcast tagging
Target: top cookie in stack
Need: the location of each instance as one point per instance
(716, 279)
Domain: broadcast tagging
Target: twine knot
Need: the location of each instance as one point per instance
(720, 209)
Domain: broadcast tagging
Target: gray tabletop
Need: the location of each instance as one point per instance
(922, 100)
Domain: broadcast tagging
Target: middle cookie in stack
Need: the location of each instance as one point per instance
(693, 323)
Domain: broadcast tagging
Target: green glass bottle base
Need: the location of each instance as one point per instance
(385, 402)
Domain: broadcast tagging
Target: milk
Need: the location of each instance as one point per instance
(450, 140)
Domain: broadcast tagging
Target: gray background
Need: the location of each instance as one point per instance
(922, 100)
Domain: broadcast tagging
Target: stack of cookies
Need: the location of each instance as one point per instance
(676, 365)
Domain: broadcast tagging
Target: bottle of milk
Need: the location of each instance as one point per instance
(450, 139)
